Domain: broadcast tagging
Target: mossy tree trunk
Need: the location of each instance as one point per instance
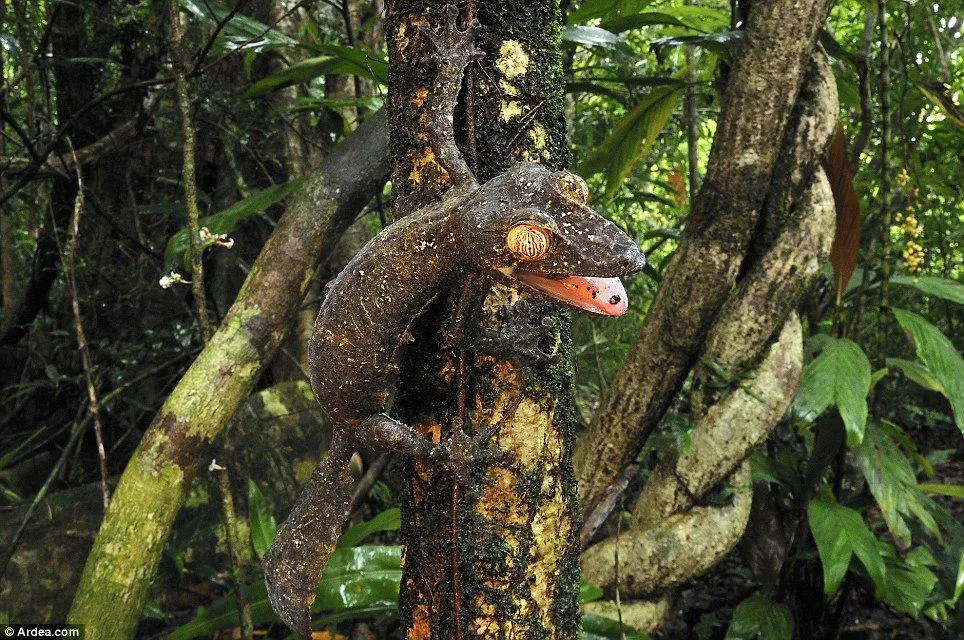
(501, 560)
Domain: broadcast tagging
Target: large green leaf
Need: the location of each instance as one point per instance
(631, 138)
(839, 376)
(724, 44)
(933, 286)
(594, 37)
(703, 19)
(757, 617)
(240, 32)
(224, 221)
(918, 373)
(893, 483)
(840, 533)
(263, 525)
(337, 60)
(940, 357)
(358, 582)
(388, 520)
(909, 580)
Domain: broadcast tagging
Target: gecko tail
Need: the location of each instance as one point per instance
(298, 555)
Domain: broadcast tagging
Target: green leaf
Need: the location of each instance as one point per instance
(952, 490)
(597, 627)
(356, 581)
(338, 60)
(240, 32)
(388, 520)
(839, 376)
(724, 44)
(263, 525)
(917, 373)
(840, 532)
(588, 592)
(933, 286)
(909, 581)
(759, 617)
(590, 9)
(224, 221)
(940, 357)
(631, 138)
(594, 37)
(893, 483)
(695, 18)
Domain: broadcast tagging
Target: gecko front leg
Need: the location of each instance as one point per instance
(452, 49)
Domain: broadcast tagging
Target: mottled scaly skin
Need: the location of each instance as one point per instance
(364, 321)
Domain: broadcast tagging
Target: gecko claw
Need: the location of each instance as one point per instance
(453, 42)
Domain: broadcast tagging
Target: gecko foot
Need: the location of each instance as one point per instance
(453, 42)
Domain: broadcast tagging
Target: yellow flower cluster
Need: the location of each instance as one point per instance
(913, 253)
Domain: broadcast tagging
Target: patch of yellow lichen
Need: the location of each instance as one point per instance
(419, 96)
(538, 136)
(508, 88)
(513, 60)
(420, 162)
(510, 109)
(420, 629)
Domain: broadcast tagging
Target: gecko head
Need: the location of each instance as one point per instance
(532, 227)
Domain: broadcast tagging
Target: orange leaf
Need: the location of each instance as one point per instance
(846, 239)
(678, 186)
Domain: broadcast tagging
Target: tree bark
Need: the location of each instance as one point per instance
(155, 483)
(502, 562)
(762, 89)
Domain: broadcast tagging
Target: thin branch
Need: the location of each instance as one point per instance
(188, 176)
(233, 539)
(69, 258)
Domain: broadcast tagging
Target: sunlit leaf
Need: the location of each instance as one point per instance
(840, 533)
(240, 32)
(593, 37)
(839, 376)
(940, 357)
(941, 97)
(631, 138)
(757, 617)
(696, 18)
(952, 490)
(933, 286)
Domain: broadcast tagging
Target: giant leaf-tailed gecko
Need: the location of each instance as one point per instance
(529, 227)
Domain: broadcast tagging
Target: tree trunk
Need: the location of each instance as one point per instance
(500, 560)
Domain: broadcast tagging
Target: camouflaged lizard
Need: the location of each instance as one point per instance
(529, 227)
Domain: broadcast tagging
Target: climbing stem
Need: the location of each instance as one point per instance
(188, 171)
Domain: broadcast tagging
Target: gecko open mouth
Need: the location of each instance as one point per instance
(605, 296)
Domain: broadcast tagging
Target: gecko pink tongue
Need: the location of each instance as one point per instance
(598, 295)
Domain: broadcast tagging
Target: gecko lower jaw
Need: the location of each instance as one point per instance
(604, 296)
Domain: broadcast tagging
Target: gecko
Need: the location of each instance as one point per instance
(529, 227)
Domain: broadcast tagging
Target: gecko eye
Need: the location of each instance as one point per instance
(528, 241)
